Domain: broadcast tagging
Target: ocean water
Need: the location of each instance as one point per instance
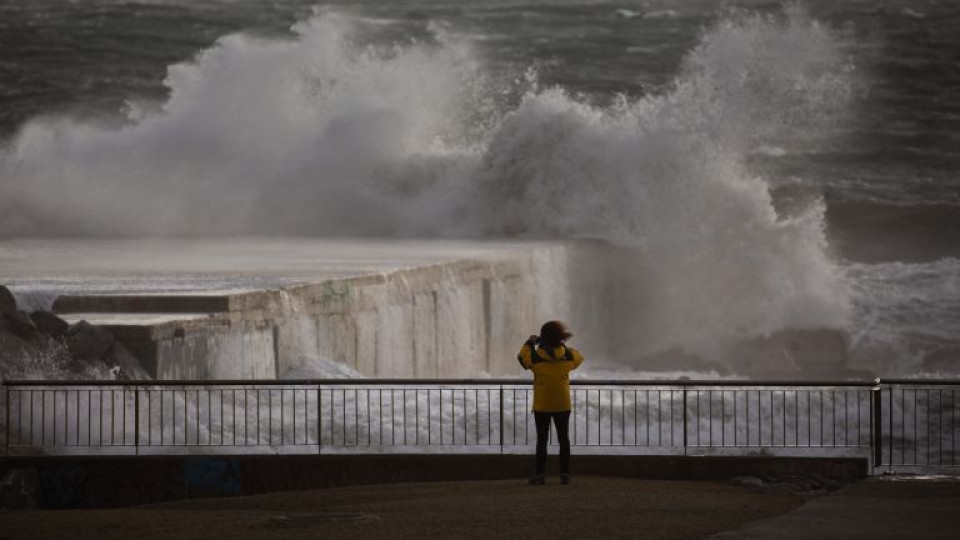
(780, 165)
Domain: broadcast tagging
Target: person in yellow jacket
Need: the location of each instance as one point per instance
(551, 364)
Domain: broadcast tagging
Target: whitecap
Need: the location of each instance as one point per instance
(912, 13)
(769, 150)
(661, 14)
(628, 13)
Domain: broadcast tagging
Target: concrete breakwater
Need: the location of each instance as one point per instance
(383, 309)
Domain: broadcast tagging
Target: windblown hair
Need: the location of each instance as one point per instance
(553, 334)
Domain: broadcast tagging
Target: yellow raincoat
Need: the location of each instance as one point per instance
(551, 375)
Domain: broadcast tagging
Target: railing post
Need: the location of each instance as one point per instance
(6, 437)
(320, 422)
(876, 425)
(136, 419)
(684, 420)
(501, 418)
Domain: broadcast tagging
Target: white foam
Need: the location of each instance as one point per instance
(912, 13)
(772, 151)
(628, 13)
(661, 14)
(907, 316)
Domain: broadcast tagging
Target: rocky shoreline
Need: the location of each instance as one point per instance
(41, 345)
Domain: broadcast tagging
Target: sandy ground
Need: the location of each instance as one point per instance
(592, 507)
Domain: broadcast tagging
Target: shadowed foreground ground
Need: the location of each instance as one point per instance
(592, 507)
(878, 508)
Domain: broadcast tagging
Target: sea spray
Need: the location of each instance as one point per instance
(667, 176)
(318, 136)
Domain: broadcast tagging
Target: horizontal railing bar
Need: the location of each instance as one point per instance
(921, 382)
(800, 447)
(449, 382)
(398, 445)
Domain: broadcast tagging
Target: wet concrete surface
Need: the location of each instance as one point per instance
(591, 507)
(897, 507)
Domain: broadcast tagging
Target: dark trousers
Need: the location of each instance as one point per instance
(562, 421)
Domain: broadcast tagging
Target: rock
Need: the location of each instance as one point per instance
(49, 324)
(14, 320)
(8, 302)
(22, 326)
(88, 342)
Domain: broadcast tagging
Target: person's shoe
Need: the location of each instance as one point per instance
(564, 479)
(537, 480)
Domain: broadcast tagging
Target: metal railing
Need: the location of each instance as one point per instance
(813, 418)
(918, 424)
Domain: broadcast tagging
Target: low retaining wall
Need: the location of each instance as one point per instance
(48, 482)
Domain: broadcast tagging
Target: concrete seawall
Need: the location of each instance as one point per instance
(384, 309)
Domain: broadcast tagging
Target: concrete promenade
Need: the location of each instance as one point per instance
(593, 507)
(902, 508)
(49, 482)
